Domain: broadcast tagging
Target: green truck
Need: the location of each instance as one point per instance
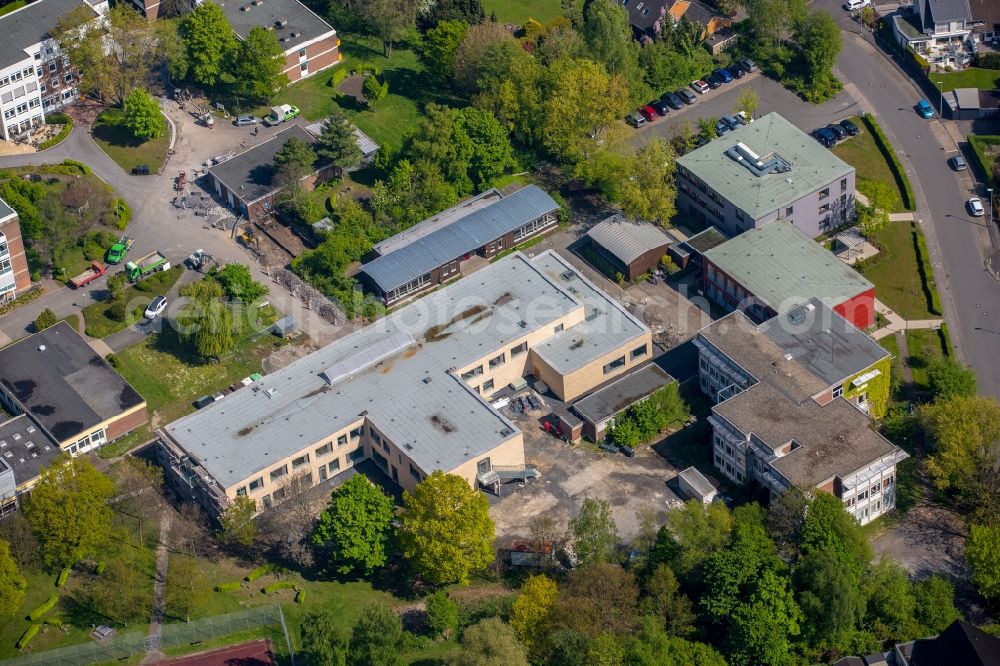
(140, 268)
(119, 249)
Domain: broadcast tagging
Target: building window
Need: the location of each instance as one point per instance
(342, 440)
(257, 484)
(414, 473)
(789, 211)
(267, 501)
(52, 66)
(838, 391)
(497, 361)
(324, 450)
(304, 67)
(488, 385)
(356, 433)
(356, 456)
(241, 492)
(334, 465)
(843, 184)
(375, 436)
(469, 374)
(614, 365)
(558, 329)
(518, 350)
(823, 194)
(300, 461)
(278, 473)
(302, 53)
(385, 446)
(54, 82)
(638, 352)
(68, 78)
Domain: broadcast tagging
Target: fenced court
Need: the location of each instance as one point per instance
(125, 646)
(253, 653)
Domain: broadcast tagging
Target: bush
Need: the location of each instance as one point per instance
(300, 596)
(63, 577)
(67, 127)
(117, 312)
(123, 212)
(46, 318)
(57, 118)
(26, 297)
(563, 214)
(263, 571)
(101, 566)
(28, 634)
(44, 608)
(902, 180)
(979, 144)
(228, 587)
(280, 585)
(339, 75)
(988, 60)
(84, 169)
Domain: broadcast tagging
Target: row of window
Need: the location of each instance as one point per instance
(870, 492)
(533, 226)
(23, 107)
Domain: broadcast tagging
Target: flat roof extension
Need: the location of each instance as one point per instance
(25, 448)
(300, 21)
(249, 174)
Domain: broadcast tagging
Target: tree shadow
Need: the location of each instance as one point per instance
(110, 131)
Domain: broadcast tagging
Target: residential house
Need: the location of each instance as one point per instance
(936, 29)
(14, 275)
(792, 402)
(763, 171)
(412, 391)
(766, 271)
(960, 643)
(35, 76)
(985, 21)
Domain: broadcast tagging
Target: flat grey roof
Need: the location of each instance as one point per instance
(439, 221)
(467, 234)
(25, 27)
(302, 22)
(397, 371)
(697, 480)
(25, 448)
(782, 266)
(5, 210)
(628, 239)
(622, 392)
(812, 166)
(607, 324)
(705, 240)
(66, 387)
(249, 174)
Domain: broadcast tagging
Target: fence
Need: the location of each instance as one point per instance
(125, 646)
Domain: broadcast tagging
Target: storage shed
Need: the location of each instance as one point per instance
(599, 409)
(631, 247)
(972, 103)
(696, 486)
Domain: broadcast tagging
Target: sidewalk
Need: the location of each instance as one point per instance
(898, 325)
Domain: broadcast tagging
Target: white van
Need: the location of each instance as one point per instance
(854, 5)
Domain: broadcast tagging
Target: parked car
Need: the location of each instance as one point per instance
(825, 137)
(627, 451)
(723, 74)
(702, 140)
(700, 86)
(687, 96)
(673, 100)
(732, 122)
(743, 118)
(736, 69)
(722, 128)
(649, 113)
(713, 81)
(975, 206)
(957, 163)
(925, 109)
(749, 65)
(838, 130)
(155, 308)
(635, 119)
(850, 128)
(240, 121)
(608, 446)
(661, 107)
(855, 5)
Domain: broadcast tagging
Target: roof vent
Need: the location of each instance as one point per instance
(281, 23)
(41, 347)
(788, 357)
(810, 306)
(245, 8)
(293, 35)
(426, 380)
(271, 392)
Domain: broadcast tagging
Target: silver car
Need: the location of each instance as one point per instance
(957, 163)
(975, 207)
(246, 120)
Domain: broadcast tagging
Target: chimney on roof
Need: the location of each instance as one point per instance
(282, 23)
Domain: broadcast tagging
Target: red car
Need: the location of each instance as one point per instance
(649, 113)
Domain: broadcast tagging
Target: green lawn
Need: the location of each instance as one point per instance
(894, 271)
(518, 11)
(124, 148)
(924, 346)
(95, 315)
(889, 344)
(12, 6)
(973, 77)
(863, 154)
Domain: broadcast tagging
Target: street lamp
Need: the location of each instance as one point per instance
(989, 197)
(940, 99)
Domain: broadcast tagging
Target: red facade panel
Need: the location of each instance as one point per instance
(859, 310)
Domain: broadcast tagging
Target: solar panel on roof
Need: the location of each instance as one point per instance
(367, 357)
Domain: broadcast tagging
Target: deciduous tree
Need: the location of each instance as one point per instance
(442, 613)
(12, 584)
(238, 526)
(142, 115)
(209, 42)
(377, 638)
(582, 102)
(206, 322)
(597, 598)
(186, 576)
(323, 641)
(491, 642)
(609, 39)
(665, 602)
(891, 603)
(257, 71)
(982, 550)
(239, 284)
(45, 319)
(68, 511)
(819, 37)
(763, 628)
(832, 603)
(356, 526)
(388, 19)
(935, 604)
(652, 646)
(531, 609)
(748, 102)
(445, 529)
(692, 534)
(437, 49)
(594, 531)
(827, 525)
(948, 378)
(124, 592)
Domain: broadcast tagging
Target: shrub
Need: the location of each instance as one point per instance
(58, 118)
(101, 566)
(902, 180)
(63, 577)
(45, 319)
(53, 621)
(44, 608)
(339, 75)
(280, 585)
(123, 212)
(228, 587)
(300, 596)
(28, 634)
(84, 169)
(26, 297)
(926, 273)
(67, 127)
(988, 60)
(263, 571)
(563, 214)
(117, 312)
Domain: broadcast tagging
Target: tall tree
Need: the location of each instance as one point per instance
(982, 550)
(68, 511)
(665, 602)
(819, 37)
(238, 283)
(356, 526)
(609, 39)
(935, 604)
(442, 614)
(827, 525)
(891, 604)
(597, 598)
(377, 638)
(388, 19)
(947, 378)
(437, 49)
(492, 154)
(257, 71)
(691, 535)
(238, 526)
(187, 577)
(763, 627)
(828, 592)
(583, 100)
(294, 160)
(594, 531)
(12, 584)
(206, 322)
(748, 102)
(531, 609)
(142, 115)
(652, 646)
(209, 42)
(445, 529)
(491, 642)
(124, 592)
(323, 641)
(337, 143)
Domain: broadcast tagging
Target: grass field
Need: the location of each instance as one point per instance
(95, 315)
(12, 6)
(123, 147)
(924, 346)
(518, 11)
(973, 77)
(861, 153)
(895, 273)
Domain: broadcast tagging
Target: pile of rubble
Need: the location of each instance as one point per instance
(313, 299)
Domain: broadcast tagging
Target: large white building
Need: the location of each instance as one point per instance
(35, 77)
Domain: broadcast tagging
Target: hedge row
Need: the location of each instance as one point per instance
(902, 180)
(79, 165)
(228, 587)
(26, 297)
(946, 339)
(28, 634)
(280, 585)
(44, 608)
(123, 212)
(979, 144)
(67, 127)
(926, 272)
(63, 577)
(300, 596)
(263, 571)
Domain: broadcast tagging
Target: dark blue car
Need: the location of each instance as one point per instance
(724, 75)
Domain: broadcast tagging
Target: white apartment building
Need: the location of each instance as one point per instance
(35, 77)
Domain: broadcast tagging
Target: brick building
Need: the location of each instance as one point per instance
(14, 275)
(630, 247)
(67, 390)
(412, 391)
(24, 451)
(768, 270)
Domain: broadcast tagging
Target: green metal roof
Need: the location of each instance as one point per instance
(812, 166)
(782, 266)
